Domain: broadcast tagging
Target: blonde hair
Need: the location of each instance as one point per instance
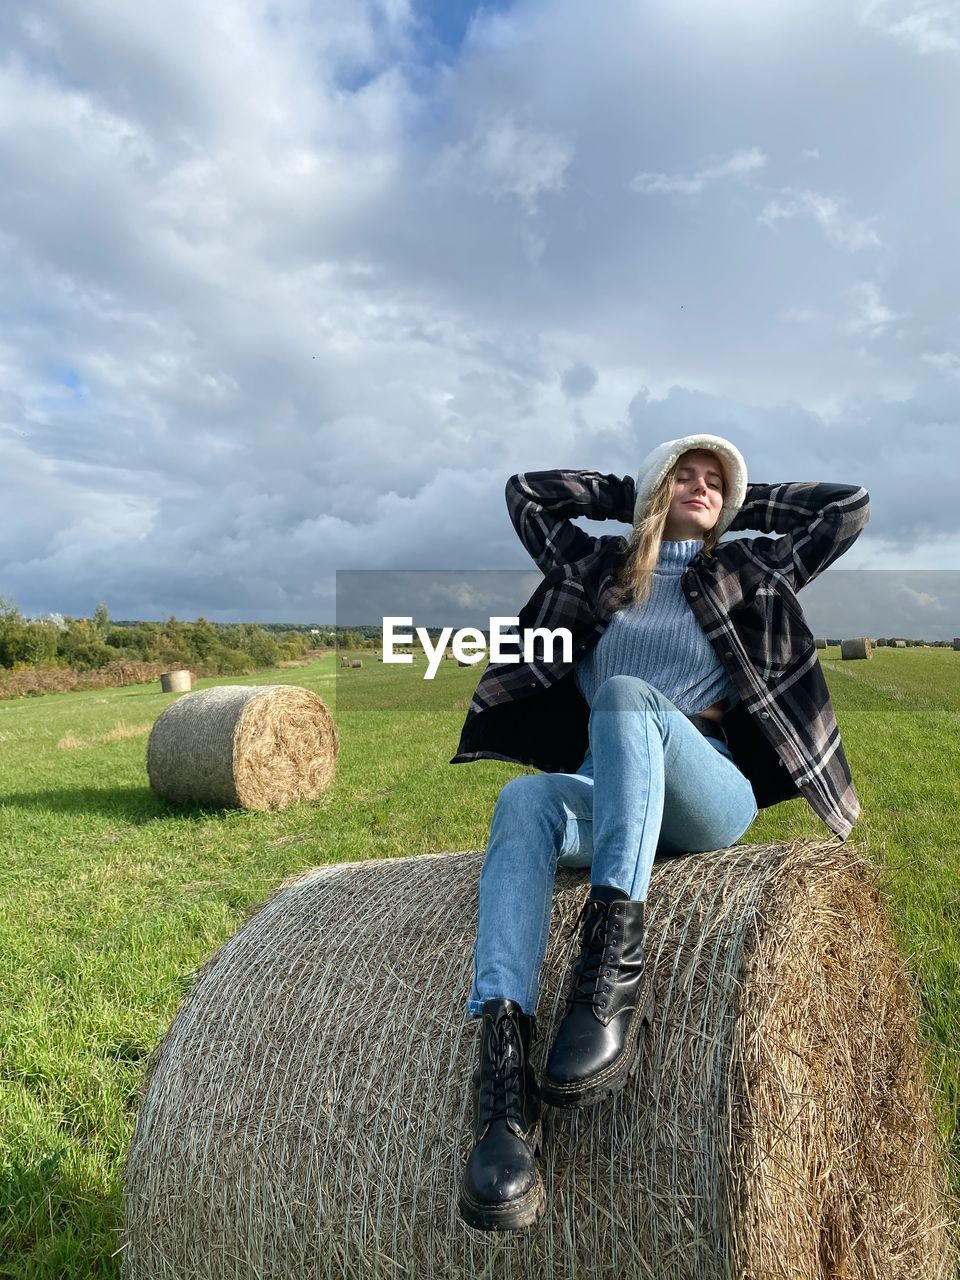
(635, 578)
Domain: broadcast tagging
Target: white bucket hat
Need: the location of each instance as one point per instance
(661, 458)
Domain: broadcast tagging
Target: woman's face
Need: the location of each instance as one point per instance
(697, 496)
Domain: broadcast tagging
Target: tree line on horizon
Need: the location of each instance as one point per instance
(87, 644)
(220, 648)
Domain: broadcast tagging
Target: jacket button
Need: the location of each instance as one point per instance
(765, 715)
(728, 654)
(694, 594)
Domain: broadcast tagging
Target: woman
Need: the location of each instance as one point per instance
(658, 777)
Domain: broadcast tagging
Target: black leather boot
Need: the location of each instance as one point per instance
(501, 1188)
(596, 1048)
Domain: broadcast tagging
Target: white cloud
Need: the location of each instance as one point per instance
(927, 28)
(741, 162)
(867, 314)
(947, 362)
(799, 315)
(505, 159)
(839, 228)
(921, 599)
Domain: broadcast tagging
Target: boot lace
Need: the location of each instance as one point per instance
(501, 1093)
(588, 972)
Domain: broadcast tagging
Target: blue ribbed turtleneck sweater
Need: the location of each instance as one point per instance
(661, 641)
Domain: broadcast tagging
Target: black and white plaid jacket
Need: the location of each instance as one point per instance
(783, 733)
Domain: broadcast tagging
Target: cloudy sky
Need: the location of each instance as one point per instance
(293, 287)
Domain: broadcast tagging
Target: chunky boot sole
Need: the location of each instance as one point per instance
(603, 1084)
(510, 1215)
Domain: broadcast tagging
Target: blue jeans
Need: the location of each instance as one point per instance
(661, 787)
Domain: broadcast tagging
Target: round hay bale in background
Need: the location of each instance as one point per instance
(956, 642)
(308, 1112)
(344, 662)
(246, 746)
(898, 644)
(176, 682)
(820, 643)
(858, 648)
(357, 662)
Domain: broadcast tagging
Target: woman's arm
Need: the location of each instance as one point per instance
(819, 523)
(541, 503)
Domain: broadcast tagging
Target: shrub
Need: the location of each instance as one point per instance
(229, 662)
(26, 643)
(89, 655)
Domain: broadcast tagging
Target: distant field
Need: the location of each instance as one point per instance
(109, 899)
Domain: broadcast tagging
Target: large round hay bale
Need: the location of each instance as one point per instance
(898, 644)
(246, 746)
(858, 648)
(308, 1112)
(820, 643)
(176, 682)
(956, 642)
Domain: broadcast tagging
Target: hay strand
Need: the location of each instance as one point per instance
(246, 746)
(307, 1113)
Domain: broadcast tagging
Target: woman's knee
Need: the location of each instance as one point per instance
(527, 797)
(532, 803)
(624, 692)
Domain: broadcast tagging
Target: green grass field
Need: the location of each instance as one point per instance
(110, 899)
